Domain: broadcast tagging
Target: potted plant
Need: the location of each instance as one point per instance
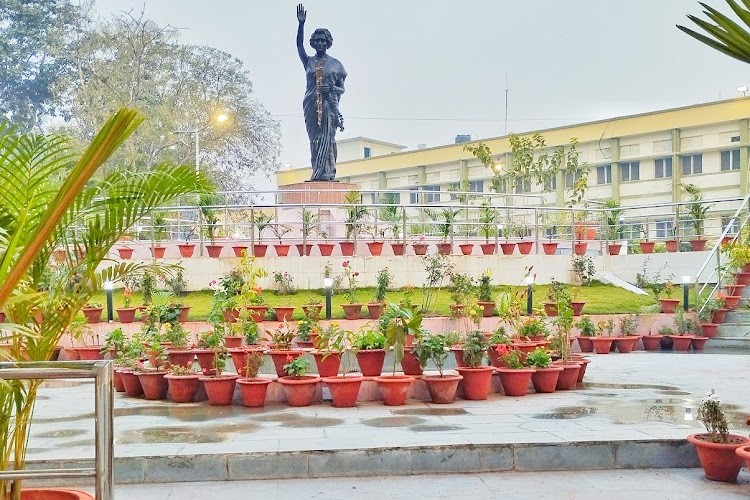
(299, 387)
(487, 226)
(717, 447)
(369, 343)
(403, 321)
(114, 343)
(344, 387)
(126, 314)
(329, 345)
(484, 294)
(709, 328)
(219, 387)
(628, 338)
(182, 382)
(461, 292)
(614, 230)
(442, 223)
(395, 216)
(563, 323)
(206, 204)
(152, 377)
(697, 210)
(383, 281)
(442, 388)
(186, 249)
(253, 389)
(310, 223)
(159, 234)
(420, 245)
(93, 312)
(88, 338)
(545, 376)
(587, 330)
(477, 379)
(375, 247)
(349, 278)
(685, 327)
(658, 287)
(356, 213)
(514, 377)
(262, 221)
(325, 247)
(279, 230)
(646, 245)
(281, 346)
(125, 252)
(603, 339)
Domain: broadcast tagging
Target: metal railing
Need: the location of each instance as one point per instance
(101, 372)
(711, 284)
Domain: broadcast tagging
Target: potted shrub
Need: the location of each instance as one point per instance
(716, 447)
(325, 247)
(544, 378)
(477, 379)
(709, 328)
(310, 223)
(442, 388)
(279, 230)
(281, 347)
(403, 320)
(514, 377)
(93, 312)
(126, 314)
(187, 249)
(182, 382)
(299, 387)
(658, 287)
(352, 309)
(206, 204)
(684, 326)
(252, 388)
(484, 294)
(461, 292)
(627, 339)
(603, 339)
(697, 210)
(152, 377)
(114, 343)
(420, 245)
(369, 343)
(356, 214)
(563, 323)
(442, 223)
(159, 234)
(614, 229)
(261, 221)
(376, 307)
(125, 252)
(487, 226)
(344, 387)
(219, 387)
(395, 216)
(328, 346)
(587, 330)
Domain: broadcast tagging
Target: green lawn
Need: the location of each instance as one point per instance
(599, 298)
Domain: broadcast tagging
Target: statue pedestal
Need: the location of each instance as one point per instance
(315, 192)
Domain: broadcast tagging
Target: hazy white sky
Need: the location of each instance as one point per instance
(422, 71)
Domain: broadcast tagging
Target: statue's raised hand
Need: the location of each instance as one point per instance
(301, 13)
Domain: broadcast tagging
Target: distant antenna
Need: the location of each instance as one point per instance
(506, 103)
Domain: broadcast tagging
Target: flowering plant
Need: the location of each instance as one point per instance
(350, 276)
(296, 367)
(305, 327)
(282, 336)
(509, 355)
(127, 294)
(475, 314)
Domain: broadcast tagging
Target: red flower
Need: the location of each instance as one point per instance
(356, 273)
(345, 263)
(289, 358)
(502, 350)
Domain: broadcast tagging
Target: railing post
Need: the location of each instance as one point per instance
(104, 454)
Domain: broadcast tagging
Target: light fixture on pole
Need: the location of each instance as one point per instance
(109, 289)
(328, 283)
(529, 294)
(743, 89)
(686, 280)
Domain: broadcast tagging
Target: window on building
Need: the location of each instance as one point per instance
(631, 230)
(630, 171)
(414, 196)
(604, 174)
(665, 229)
(570, 179)
(432, 194)
(368, 152)
(476, 186)
(523, 186)
(735, 138)
(550, 184)
(663, 167)
(692, 164)
(730, 159)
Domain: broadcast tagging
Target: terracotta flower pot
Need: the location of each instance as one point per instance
(602, 345)
(524, 247)
(444, 248)
(720, 461)
(709, 330)
(544, 380)
(299, 391)
(219, 390)
(182, 317)
(458, 354)
(93, 314)
(515, 382)
(125, 314)
(742, 278)
(488, 248)
(375, 247)
(205, 360)
(253, 391)
(284, 313)
(347, 248)
(117, 380)
(419, 248)
(681, 342)
(549, 248)
(89, 352)
(580, 248)
(585, 343)
(626, 344)
(325, 249)
(132, 383)
(477, 382)
(260, 249)
(351, 311)
(394, 389)
(651, 342)
(282, 250)
(466, 248)
(371, 362)
(577, 307)
(488, 309)
(731, 302)
(735, 290)
(719, 315)
(398, 248)
(669, 306)
(550, 308)
(154, 385)
(699, 343)
(158, 251)
(581, 371)
(54, 494)
(344, 390)
(239, 250)
(442, 389)
(744, 453)
(698, 244)
(327, 363)
(410, 364)
(258, 313)
(568, 378)
(214, 251)
(375, 310)
(507, 248)
(125, 252)
(282, 357)
(614, 248)
(232, 341)
(647, 246)
(186, 250)
(181, 357)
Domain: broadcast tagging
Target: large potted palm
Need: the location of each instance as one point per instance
(697, 210)
(207, 203)
(65, 194)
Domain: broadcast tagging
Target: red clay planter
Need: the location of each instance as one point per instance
(477, 382)
(515, 382)
(371, 361)
(182, 388)
(394, 389)
(253, 391)
(544, 380)
(720, 461)
(219, 390)
(344, 390)
(442, 389)
(569, 376)
(154, 385)
(299, 391)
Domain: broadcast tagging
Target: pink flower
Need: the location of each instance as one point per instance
(212, 283)
(345, 263)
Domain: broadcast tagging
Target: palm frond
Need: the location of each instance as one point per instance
(725, 36)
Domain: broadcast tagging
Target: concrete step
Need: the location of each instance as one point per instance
(741, 344)
(733, 329)
(739, 315)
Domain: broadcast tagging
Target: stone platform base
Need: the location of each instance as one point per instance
(315, 192)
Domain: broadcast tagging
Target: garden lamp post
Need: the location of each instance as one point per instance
(328, 283)
(529, 293)
(109, 289)
(686, 280)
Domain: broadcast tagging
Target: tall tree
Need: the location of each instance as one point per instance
(35, 36)
(131, 61)
(725, 35)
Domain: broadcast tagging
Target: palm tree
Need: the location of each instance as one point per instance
(51, 200)
(726, 35)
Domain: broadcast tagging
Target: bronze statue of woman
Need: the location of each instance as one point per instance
(325, 84)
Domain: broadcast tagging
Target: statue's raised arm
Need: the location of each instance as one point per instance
(301, 17)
